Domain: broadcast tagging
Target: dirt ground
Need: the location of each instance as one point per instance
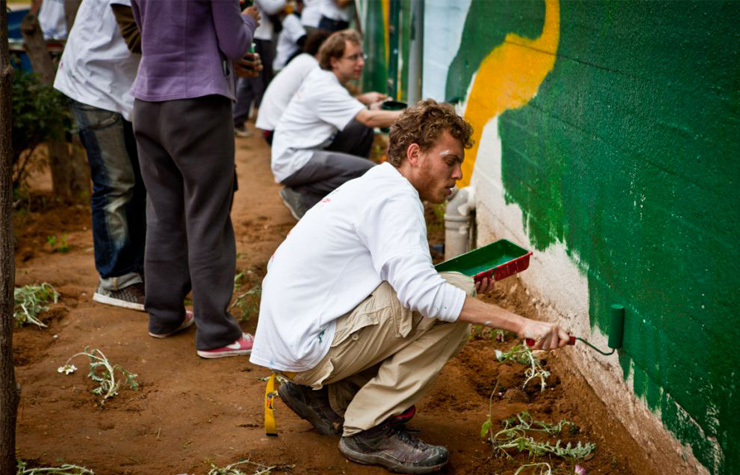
(190, 413)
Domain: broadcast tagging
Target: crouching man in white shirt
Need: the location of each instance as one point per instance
(324, 136)
(353, 311)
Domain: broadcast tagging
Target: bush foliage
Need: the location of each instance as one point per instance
(39, 113)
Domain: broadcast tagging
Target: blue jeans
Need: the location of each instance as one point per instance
(119, 197)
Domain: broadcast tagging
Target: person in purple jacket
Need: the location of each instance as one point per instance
(182, 123)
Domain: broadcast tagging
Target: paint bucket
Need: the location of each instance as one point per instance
(392, 106)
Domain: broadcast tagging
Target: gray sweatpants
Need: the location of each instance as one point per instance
(186, 150)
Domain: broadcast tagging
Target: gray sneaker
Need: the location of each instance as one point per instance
(312, 406)
(294, 201)
(391, 446)
(128, 297)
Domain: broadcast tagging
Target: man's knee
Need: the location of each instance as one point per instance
(461, 281)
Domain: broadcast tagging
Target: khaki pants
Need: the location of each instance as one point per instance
(384, 357)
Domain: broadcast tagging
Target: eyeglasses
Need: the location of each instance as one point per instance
(356, 57)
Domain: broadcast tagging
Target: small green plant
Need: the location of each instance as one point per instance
(522, 354)
(103, 373)
(515, 435)
(30, 301)
(58, 244)
(545, 468)
(64, 469)
(232, 470)
(247, 302)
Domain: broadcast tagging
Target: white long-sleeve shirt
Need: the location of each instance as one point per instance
(367, 231)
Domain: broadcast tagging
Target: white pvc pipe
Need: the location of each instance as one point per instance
(458, 222)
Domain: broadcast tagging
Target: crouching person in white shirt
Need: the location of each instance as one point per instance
(353, 311)
(324, 136)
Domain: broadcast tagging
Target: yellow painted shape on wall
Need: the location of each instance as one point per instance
(386, 5)
(509, 77)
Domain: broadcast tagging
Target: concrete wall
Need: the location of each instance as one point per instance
(608, 141)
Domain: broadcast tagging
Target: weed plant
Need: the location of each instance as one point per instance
(65, 469)
(516, 435)
(232, 470)
(522, 354)
(247, 302)
(58, 244)
(102, 372)
(30, 301)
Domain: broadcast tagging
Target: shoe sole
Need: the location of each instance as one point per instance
(118, 303)
(285, 202)
(185, 325)
(223, 354)
(318, 423)
(390, 465)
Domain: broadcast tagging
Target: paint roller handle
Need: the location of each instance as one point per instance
(530, 341)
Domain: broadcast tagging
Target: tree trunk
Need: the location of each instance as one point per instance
(68, 171)
(70, 12)
(9, 391)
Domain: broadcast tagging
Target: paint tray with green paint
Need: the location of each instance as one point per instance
(497, 260)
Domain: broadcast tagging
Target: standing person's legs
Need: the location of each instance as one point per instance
(244, 97)
(266, 50)
(118, 204)
(410, 351)
(166, 257)
(325, 172)
(204, 155)
(355, 139)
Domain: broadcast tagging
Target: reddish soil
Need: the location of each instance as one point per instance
(190, 412)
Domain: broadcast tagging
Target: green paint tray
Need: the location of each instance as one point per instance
(497, 260)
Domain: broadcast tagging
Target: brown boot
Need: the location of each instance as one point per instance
(312, 406)
(391, 446)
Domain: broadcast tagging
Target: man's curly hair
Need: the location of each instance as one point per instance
(423, 124)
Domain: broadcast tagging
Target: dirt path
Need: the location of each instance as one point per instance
(190, 412)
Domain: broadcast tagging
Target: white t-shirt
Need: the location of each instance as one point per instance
(287, 44)
(311, 14)
(281, 90)
(330, 9)
(97, 67)
(266, 30)
(367, 231)
(321, 108)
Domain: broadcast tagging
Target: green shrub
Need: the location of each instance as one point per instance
(39, 113)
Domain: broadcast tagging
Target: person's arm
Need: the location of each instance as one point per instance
(127, 25)
(380, 118)
(35, 7)
(344, 3)
(371, 97)
(235, 31)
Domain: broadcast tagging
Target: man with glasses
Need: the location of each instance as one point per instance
(325, 135)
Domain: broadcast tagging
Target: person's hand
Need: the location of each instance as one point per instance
(371, 98)
(375, 96)
(484, 285)
(249, 66)
(546, 336)
(253, 12)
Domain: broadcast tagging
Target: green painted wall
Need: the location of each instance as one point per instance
(630, 156)
(387, 73)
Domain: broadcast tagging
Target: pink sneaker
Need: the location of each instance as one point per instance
(242, 346)
(189, 320)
